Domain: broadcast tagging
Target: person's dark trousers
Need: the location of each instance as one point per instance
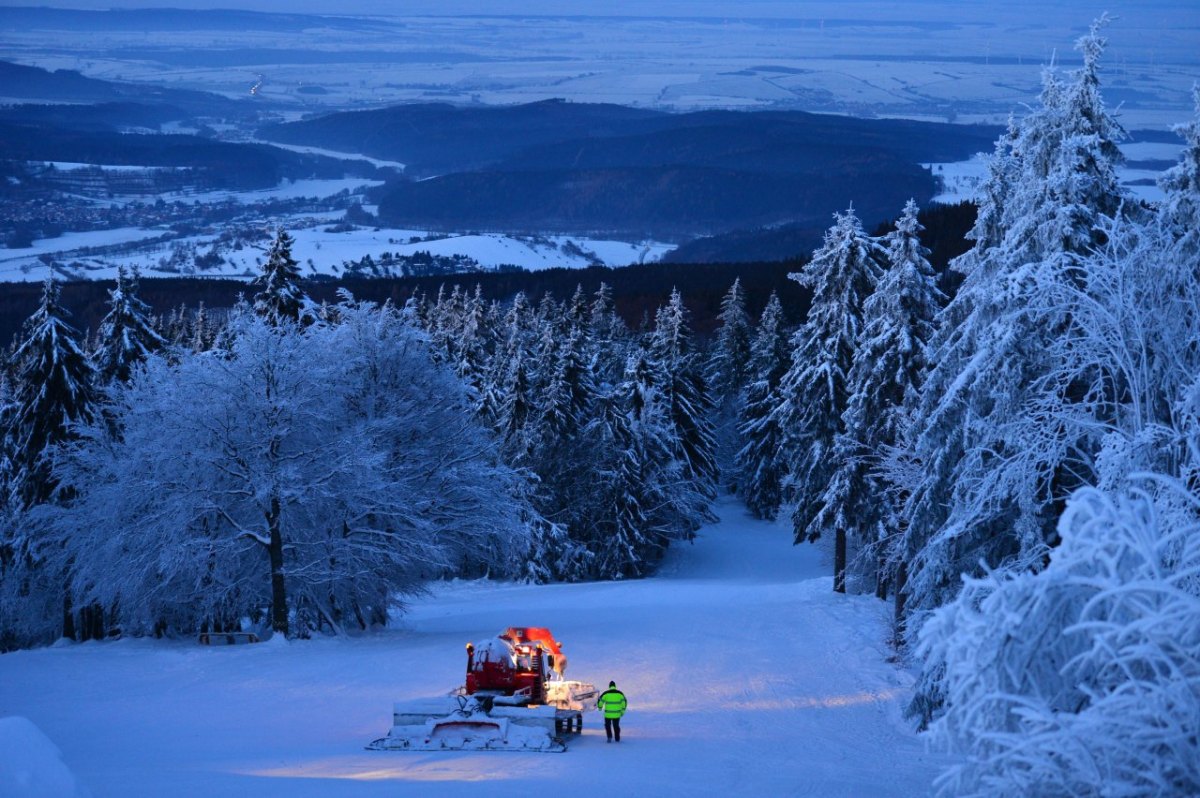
(612, 727)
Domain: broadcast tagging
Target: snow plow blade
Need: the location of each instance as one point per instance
(571, 695)
(461, 723)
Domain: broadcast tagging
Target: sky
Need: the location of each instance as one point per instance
(1186, 12)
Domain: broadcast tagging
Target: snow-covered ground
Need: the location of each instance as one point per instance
(746, 675)
(342, 156)
(31, 765)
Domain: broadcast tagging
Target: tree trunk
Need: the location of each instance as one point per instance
(898, 620)
(881, 581)
(279, 608)
(91, 622)
(839, 561)
(68, 618)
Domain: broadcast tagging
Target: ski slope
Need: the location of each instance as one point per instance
(745, 673)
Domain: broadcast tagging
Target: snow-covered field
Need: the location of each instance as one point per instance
(924, 59)
(318, 250)
(746, 675)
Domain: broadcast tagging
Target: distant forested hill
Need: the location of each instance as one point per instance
(590, 168)
(669, 201)
(435, 138)
(217, 164)
(35, 84)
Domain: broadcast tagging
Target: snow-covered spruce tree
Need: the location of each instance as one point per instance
(312, 474)
(507, 401)
(815, 391)
(436, 321)
(1181, 185)
(53, 388)
(567, 390)
(1083, 679)
(280, 297)
(30, 603)
(640, 498)
(577, 311)
(604, 324)
(680, 384)
(993, 452)
(728, 372)
(175, 328)
(126, 336)
(888, 368)
(553, 554)
(204, 332)
(760, 463)
(473, 342)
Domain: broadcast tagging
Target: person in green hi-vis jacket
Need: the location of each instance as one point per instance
(612, 703)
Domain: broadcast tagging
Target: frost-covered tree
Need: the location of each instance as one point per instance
(280, 297)
(176, 327)
(729, 364)
(559, 391)
(1083, 679)
(994, 452)
(473, 341)
(126, 336)
(554, 555)
(568, 388)
(325, 471)
(639, 502)
(1132, 350)
(760, 462)
(815, 391)
(507, 401)
(605, 325)
(888, 368)
(679, 382)
(53, 388)
(204, 332)
(728, 372)
(1181, 185)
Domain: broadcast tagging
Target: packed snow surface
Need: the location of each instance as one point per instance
(31, 765)
(745, 673)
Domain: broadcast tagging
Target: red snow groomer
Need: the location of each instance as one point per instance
(515, 699)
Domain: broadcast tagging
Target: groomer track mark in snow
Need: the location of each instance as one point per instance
(746, 675)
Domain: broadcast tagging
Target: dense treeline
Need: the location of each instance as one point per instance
(637, 290)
